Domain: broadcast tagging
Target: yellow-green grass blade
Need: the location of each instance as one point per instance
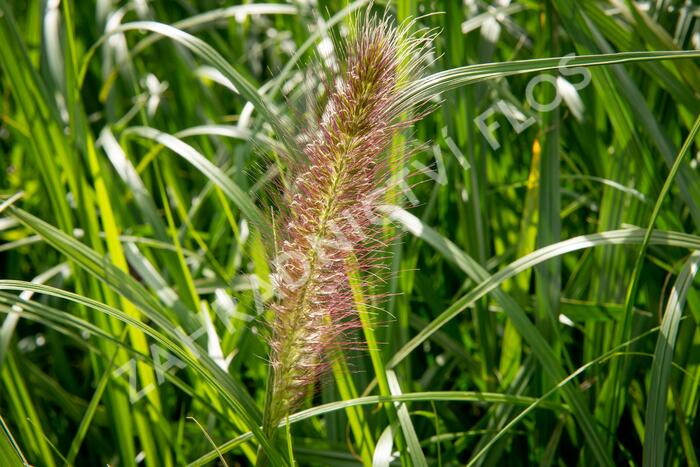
(30, 423)
(375, 353)
(429, 396)
(91, 409)
(356, 417)
(212, 57)
(10, 452)
(148, 306)
(201, 163)
(413, 447)
(525, 327)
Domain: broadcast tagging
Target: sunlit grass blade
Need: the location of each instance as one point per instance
(148, 305)
(451, 79)
(409, 432)
(9, 450)
(491, 283)
(187, 152)
(153, 145)
(212, 57)
(455, 396)
(654, 427)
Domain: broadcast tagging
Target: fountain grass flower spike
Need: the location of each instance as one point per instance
(329, 217)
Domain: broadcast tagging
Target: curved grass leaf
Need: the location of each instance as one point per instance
(654, 426)
(615, 352)
(9, 450)
(213, 58)
(429, 396)
(201, 163)
(231, 131)
(10, 322)
(443, 81)
(60, 321)
(522, 323)
(126, 286)
(491, 283)
(624, 331)
(193, 22)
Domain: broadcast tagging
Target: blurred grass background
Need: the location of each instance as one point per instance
(133, 273)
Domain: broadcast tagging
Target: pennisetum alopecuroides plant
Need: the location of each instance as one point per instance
(329, 219)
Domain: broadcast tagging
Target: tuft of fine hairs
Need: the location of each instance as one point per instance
(330, 218)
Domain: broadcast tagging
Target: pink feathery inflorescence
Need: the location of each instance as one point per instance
(330, 218)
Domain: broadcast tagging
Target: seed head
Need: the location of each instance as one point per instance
(330, 218)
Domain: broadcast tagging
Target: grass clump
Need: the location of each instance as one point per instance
(541, 308)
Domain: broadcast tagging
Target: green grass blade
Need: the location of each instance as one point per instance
(187, 152)
(409, 432)
(443, 81)
(213, 58)
(655, 424)
(10, 452)
(437, 396)
(92, 408)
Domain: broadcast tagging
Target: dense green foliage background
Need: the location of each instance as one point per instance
(133, 273)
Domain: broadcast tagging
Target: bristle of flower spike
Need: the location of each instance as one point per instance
(330, 217)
